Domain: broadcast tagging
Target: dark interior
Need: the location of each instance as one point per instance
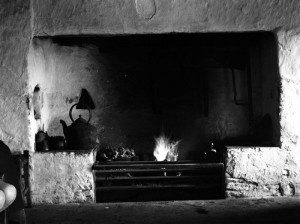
(197, 88)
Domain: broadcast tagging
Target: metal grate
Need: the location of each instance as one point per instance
(144, 181)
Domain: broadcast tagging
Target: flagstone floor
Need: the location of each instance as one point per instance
(266, 210)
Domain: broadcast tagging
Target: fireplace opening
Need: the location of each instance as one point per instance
(200, 92)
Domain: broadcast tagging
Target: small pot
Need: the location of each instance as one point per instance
(57, 143)
(41, 141)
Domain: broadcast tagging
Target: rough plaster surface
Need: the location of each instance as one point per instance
(121, 16)
(261, 172)
(62, 177)
(289, 66)
(15, 37)
(61, 72)
(145, 8)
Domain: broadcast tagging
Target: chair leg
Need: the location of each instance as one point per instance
(3, 218)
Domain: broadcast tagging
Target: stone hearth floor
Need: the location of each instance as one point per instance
(266, 210)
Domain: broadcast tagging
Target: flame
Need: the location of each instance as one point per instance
(165, 149)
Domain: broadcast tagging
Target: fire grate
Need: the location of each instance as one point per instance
(148, 181)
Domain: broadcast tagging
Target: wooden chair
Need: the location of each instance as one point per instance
(22, 164)
(3, 218)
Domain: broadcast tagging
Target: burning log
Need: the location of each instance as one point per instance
(166, 149)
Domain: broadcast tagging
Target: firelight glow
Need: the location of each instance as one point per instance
(165, 149)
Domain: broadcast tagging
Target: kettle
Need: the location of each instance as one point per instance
(80, 135)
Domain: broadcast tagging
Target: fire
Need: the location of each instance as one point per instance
(165, 149)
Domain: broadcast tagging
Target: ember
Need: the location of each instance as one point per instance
(119, 153)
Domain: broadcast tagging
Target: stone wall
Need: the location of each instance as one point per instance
(261, 172)
(62, 177)
(289, 68)
(20, 21)
(150, 16)
(127, 16)
(15, 34)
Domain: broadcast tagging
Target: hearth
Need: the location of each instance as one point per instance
(183, 91)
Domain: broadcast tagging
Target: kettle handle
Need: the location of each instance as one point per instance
(70, 113)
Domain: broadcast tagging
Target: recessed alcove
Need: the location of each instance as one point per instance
(197, 88)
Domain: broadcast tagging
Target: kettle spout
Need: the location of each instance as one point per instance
(65, 127)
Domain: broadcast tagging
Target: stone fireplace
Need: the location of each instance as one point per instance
(196, 88)
(200, 71)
